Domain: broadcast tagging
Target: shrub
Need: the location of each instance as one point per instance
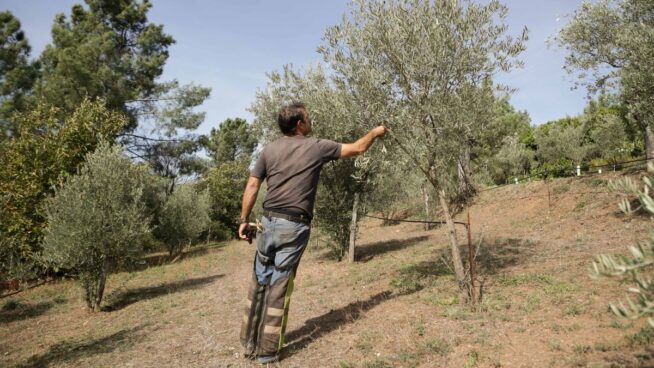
(96, 220)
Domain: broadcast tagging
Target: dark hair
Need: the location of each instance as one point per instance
(290, 115)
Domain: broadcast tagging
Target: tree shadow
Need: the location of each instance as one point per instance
(501, 253)
(367, 252)
(20, 311)
(162, 258)
(317, 327)
(69, 351)
(132, 296)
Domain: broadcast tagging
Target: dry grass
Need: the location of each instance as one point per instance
(396, 307)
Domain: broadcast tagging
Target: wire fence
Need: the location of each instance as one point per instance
(472, 261)
(578, 171)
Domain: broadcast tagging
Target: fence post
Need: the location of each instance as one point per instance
(549, 197)
(471, 260)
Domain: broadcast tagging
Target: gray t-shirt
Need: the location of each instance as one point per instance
(292, 167)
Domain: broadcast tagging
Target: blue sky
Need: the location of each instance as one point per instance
(230, 45)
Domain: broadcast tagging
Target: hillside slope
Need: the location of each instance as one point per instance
(396, 307)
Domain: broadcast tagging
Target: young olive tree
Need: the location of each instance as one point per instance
(96, 220)
(427, 67)
(610, 44)
(513, 159)
(184, 216)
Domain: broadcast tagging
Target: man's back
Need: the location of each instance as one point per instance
(292, 165)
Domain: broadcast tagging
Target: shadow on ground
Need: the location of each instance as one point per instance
(73, 350)
(24, 311)
(497, 254)
(317, 327)
(132, 296)
(160, 259)
(369, 251)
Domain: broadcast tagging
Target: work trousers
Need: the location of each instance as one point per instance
(279, 248)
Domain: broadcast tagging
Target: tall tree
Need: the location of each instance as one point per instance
(109, 49)
(17, 73)
(233, 140)
(428, 65)
(610, 44)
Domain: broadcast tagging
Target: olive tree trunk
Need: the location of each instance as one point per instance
(353, 228)
(454, 246)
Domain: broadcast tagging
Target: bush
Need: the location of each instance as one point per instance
(183, 217)
(96, 220)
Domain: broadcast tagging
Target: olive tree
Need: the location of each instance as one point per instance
(610, 44)
(427, 67)
(184, 216)
(513, 159)
(96, 220)
(638, 267)
(336, 116)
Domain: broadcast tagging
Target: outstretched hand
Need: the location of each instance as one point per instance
(380, 131)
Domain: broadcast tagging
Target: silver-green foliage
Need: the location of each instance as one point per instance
(184, 216)
(96, 220)
(610, 43)
(334, 116)
(427, 67)
(513, 159)
(562, 141)
(639, 266)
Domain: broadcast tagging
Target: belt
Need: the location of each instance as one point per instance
(301, 218)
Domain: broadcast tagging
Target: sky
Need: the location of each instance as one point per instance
(229, 46)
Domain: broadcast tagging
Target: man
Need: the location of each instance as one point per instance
(291, 165)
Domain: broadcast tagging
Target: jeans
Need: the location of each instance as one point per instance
(279, 248)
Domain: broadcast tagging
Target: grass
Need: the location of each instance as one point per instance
(439, 346)
(561, 189)
(643, 337)
(377, 363)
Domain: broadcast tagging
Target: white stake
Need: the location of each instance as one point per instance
(516, 180)
(578, 170)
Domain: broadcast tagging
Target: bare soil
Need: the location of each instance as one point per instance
(397, 306)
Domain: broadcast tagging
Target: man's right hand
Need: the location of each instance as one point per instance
(242, 231)
(379, 131)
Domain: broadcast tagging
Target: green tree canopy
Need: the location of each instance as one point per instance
(233, 140)
(610, 43)
(17, 73)
(35, 161)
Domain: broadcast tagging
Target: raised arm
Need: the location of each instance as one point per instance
(249, 197)
(363, 143)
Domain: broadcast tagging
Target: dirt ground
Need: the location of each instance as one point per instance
(397, 306)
